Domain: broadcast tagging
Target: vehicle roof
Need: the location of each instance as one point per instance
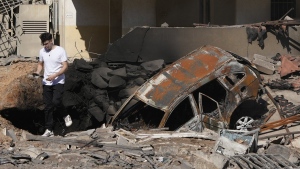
(164, 88)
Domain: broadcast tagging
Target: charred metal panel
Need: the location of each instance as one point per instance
(163, 89)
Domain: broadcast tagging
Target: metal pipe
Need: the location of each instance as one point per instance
(56, 15)
(286, 13)
(280, 134)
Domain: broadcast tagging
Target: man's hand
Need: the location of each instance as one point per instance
(51, 77)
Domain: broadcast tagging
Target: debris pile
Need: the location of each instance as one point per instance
(286, 66)
(100, 88)
(186, 97)
(105, 148)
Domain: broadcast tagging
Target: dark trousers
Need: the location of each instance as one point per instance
(52, 96)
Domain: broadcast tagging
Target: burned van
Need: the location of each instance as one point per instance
(202, 89)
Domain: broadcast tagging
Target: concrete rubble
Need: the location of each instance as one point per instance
(270, 142)
(106, 148)
(110, 148)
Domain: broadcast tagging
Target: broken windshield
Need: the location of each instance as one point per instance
(136, 115)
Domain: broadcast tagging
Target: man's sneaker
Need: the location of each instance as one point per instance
(48, 133)
(68, 120)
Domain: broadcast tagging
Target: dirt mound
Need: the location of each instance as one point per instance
(17, 89)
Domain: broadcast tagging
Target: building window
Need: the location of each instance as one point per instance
(281, 7)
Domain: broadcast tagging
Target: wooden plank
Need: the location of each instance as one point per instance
(80, 143)
(178, 135)
(57, 140)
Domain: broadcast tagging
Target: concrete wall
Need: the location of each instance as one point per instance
(171, 44)
(86, 25)
(177, 13)
(137, 13)
(252, 11)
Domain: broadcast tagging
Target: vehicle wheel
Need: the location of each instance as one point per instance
(245, 123)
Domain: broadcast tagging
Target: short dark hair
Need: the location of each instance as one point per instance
(45, 36)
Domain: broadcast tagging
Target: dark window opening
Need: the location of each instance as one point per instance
(234, 78)
(138, 115)
(180, 115)
(212, 89)
(229, 80)
(280, 7)
(243, 89)
(215, 91)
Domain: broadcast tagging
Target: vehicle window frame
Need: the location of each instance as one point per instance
(200, 105)
(195, 110)
(224, 81)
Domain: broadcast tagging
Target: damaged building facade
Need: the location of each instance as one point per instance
(85, 29)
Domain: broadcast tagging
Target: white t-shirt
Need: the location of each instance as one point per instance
(52, 64)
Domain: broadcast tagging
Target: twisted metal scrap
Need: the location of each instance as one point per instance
(288, 108)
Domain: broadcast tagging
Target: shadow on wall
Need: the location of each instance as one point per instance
(288, 42)
(178, 13)
(170, 44)
(92, 20)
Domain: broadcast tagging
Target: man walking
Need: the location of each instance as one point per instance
(53, 59)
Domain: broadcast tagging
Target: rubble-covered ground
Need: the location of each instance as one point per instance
(88, 145)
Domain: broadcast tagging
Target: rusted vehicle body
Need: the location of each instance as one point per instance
(202, 89)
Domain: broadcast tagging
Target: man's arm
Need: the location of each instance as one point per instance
(39, 67)
(62, 71)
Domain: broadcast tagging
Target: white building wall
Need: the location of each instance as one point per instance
(84, 27)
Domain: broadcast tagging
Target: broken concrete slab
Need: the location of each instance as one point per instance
(97, 113)
(215, 158)
(12, 134)
(261, 57)
(118, 72)
(279, 150)
(132, 68)
(122, 141)
(116, 81)
(264, 66)
(98, 81)
(103, 72)
(154, 65)
(296, 142)
(139, 81)
(82, 65)
(31, 151)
